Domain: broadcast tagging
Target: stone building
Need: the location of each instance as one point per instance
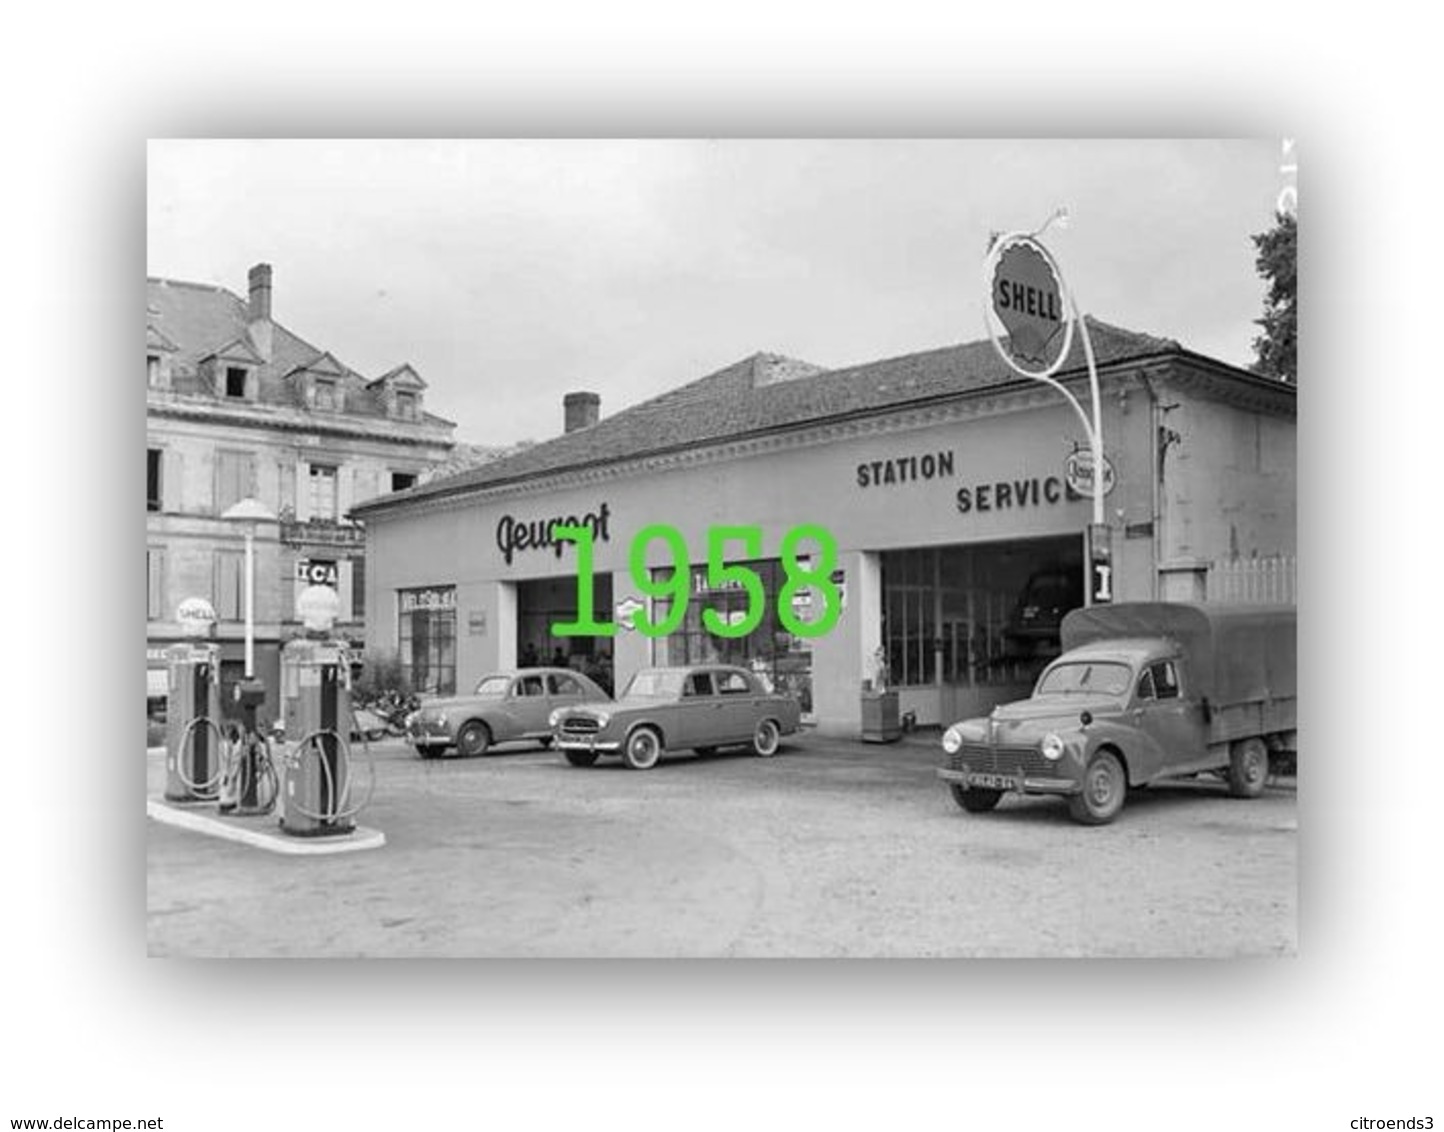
(238, 406)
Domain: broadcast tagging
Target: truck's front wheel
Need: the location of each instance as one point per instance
(975, 801)
(1105, 787)
(1248, 768)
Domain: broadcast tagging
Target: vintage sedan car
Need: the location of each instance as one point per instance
(504, 706)
(701, 707)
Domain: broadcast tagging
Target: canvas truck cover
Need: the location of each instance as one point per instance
(1238, 653)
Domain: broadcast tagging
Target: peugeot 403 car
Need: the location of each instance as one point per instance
(662, 710)
(504, 706)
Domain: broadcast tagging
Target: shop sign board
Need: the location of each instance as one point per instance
(195, 615)
(317, 573)
(1078, 471)
(1028, 300)
(476, 622)
(429, 599)
(1100, 564)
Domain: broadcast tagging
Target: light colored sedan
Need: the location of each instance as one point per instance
(701, 707)
(504, 707)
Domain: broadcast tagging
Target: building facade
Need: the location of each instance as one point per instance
(947, 489)
(237, 407)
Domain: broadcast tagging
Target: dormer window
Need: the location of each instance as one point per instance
(236, 382)
(405, 405)
(324, 395)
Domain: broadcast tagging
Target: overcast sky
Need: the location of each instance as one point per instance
(510, 272)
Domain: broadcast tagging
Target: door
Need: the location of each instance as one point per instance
(1172, 720)
(699, 720)
(739, 710)
(528, 707)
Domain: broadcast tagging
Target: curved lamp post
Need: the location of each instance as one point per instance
(250, 511)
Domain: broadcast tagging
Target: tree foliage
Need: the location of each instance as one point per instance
(1276, 348)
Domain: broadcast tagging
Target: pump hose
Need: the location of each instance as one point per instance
(252, 741)
(213, 783)
(312, 741)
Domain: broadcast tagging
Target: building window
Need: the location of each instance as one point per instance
(152, 479)
(324, 399)
(406, 406)
(427, 639)
(235, 382)
(358, 589)
(152, 371)
(235, 477)
(400, 481)
(155, 583)
(230, 585)
(323, 492)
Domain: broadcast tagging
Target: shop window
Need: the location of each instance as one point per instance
(230, 579)
(236, 382)
(427, 639)
(155, 583)
(323, 492)
(153, 461)
(235, 477)
(400, 481)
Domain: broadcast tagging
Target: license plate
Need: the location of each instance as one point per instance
(993, 781)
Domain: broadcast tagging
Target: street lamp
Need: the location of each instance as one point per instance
(250, 511)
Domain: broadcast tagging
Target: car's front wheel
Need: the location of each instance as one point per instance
(766, 738)
(975, 799)
(1105, 787)
(473, 739)
(643, 749)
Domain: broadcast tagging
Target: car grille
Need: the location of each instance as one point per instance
(1002, 760)
(580, 725)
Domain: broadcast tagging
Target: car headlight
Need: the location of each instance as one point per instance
(952, 740)
(554, 718)
(1052, 747)
(603, 718)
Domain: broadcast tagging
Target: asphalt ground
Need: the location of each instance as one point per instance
(830, 848)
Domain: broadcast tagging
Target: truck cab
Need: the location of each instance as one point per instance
(1144, 691)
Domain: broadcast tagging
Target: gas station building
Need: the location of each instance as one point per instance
(950, 485)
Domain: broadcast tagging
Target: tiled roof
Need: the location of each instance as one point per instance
(202, 320)
(731, 403)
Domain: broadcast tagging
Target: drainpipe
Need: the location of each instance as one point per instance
(1155, 469)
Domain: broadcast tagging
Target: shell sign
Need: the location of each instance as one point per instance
(1028, 300)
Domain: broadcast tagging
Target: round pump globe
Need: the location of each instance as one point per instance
(318, 607)
(195, 616)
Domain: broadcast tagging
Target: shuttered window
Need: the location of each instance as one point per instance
(155, 583)
(235, 477)
(230, 585)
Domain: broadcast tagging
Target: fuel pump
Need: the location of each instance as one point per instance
(194, 744)
(316, 776)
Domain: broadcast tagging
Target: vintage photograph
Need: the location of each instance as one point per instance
(721, 548)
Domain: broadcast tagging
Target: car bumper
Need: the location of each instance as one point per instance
(587, 743)
(1018, 783)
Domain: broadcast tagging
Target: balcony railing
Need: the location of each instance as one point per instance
(322, 532)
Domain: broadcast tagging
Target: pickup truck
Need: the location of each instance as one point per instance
(1143, 691)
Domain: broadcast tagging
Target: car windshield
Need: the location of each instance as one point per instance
(655, 684)
(1105, 678)
(493, 685)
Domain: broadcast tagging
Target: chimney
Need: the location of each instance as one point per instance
(261, 293)
(260, 309)
(582, 410)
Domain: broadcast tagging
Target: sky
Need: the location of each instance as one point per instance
(509, 272)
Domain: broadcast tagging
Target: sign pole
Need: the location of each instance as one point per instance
(1022, 299)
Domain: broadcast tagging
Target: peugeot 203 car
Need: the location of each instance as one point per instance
(701, 707)
(504, 707)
